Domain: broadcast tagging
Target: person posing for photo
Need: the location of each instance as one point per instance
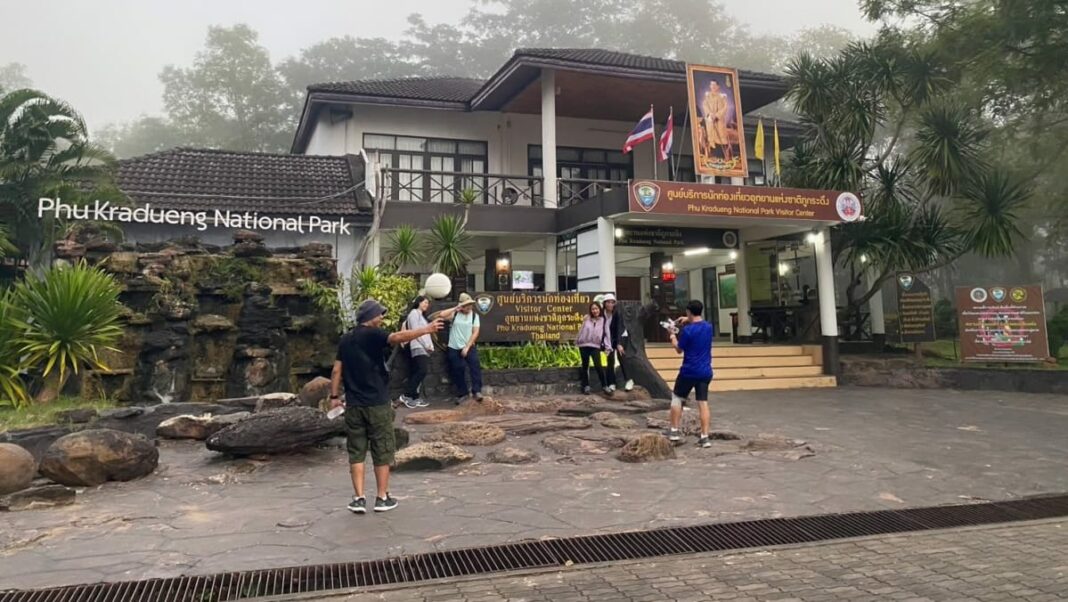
(615, 335)
(462, 352)
(420, 350)
(590, 341)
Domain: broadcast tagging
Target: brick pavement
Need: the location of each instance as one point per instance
(1009, 562)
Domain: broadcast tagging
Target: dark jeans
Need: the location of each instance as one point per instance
(591, 353)
(419, 365)
(458, 367)
(612, 369)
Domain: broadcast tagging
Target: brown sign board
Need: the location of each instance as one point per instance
(915, 310)
(531, 317)
(667, 236)
(762, 202)
(1002, 324)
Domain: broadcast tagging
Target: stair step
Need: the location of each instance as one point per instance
(666, 351)
(768, 372)
(738, 362)
(761, 384)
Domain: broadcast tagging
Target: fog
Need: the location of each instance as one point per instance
(105, 56)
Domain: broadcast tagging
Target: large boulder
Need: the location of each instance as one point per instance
(44, 496)
(646, 448)
(430, 456)
(532, 424)
(197, 427)
(513, 455)
(582, 443)
(36, 440)
(276, 431)
(272, 401)
(17, 468)
(467, 433)
(314, 392)
(144, 420)
(92, 457)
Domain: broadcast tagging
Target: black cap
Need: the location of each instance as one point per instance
(369, 310)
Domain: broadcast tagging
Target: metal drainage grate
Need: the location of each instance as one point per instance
(550, 553)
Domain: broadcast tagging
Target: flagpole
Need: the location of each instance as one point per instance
(678, 154)
(656, 143)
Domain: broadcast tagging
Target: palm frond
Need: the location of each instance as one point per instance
(989, 209)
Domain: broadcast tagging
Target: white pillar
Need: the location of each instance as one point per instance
(825, 277)
(548, 136)
(551, 280)
(606, 254)
(741, 269)
(374, 250)
(875, 305)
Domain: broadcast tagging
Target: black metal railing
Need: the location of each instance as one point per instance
(571, 191)
(455, 186)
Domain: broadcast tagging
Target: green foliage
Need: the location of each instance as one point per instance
(66, 316)
(533, 356)
(1057, 327)
(395, 291)
(326, 298)
(945, 318)
(31, 416)
(448, 245)
(231, 275)
(12, 387)
(405, 248)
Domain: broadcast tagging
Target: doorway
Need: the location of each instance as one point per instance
(629, 288)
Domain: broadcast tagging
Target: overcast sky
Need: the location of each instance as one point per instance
(104, 56)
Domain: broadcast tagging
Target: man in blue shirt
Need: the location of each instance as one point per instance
(694, 342)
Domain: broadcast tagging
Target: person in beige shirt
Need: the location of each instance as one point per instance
(714, 110)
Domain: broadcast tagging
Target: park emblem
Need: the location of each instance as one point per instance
(648, 195)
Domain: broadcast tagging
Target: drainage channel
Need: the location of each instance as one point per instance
(652, 543)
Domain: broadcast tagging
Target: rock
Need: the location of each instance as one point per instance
(275, 431)
(212, 323)
(91, 457)
(690, 424)
(44, 496)
(17, 468)
(273, 401)
(467, 433)
(583, 443)
(584, 408)
(638, 394)
(646, 448)
(430, 456)
(526, 424)
(402, 437)
(197, 427)
(250, 249)
(36, 440)
(123, 413)
(512, 455)
(316, 249)
(314, 392)
(602, 416)
(76, 416)
(247, 236)
(619, 423)
(464, 411)
(536, 405)
(145, 420)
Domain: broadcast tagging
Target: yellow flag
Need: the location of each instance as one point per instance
(777, 168)
(758, 146)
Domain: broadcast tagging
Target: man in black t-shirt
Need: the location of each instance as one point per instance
(361, 368)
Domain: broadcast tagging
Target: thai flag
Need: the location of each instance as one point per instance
(641, 132)
(667, 138)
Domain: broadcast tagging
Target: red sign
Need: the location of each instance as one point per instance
(763, 202)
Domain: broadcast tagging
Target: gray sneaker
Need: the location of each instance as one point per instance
(421, 403)
(385, 505)
(408, 402)
(704, 441)
(673, 435)
(358, 505)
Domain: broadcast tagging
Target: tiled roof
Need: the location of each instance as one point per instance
(443, 89)
(611, 58)
(200, 179)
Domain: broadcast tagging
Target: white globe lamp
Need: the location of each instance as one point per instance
(438, 286)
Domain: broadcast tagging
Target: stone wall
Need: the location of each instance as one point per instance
(203, 322)
(906, 373)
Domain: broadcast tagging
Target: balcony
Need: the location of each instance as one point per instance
(486, 189)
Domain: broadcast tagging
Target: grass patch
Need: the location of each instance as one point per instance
(43, 414)
(945, 353)
(531, 356)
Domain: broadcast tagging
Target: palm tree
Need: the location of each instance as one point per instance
(448, 249)
(405, 248)
(45, 152)
(880, 120)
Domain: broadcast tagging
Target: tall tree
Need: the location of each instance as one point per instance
(232, 97)
(143, 136)
(13, 77)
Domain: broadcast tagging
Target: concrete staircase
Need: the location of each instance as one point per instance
(751, 367)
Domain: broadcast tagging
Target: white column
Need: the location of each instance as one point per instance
(606, 254)
(548, 136)
(551, 279)
(741, 269)
(374, 250)
(825, 277)
(875, 305)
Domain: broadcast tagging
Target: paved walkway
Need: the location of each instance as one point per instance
(1018, 562)
(875, 449)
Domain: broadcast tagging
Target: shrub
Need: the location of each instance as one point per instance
(945, 319)
(12, 388)
(232, 274)
(534, 355)
(1057, 327)
(65, 317)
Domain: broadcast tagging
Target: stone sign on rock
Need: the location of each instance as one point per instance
(1002, 324)
(92, 457)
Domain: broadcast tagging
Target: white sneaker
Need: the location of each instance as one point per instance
(610, 389)
(408, 402)
(421, 403)
(629, 386)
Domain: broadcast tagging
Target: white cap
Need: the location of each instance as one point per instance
(609, 297)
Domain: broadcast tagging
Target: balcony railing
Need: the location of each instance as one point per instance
(489, 189)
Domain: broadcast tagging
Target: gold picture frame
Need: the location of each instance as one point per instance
(718, 139)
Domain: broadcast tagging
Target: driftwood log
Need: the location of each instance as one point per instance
(276, 431)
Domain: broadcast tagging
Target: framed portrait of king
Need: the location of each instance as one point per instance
(716, 121)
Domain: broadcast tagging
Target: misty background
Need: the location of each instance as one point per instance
(145, 74)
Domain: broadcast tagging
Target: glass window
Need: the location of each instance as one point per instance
(423, 169)
(441, 146)
(379, 142)
(576, 167)
(472, 148)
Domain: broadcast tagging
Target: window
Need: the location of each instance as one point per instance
(583, 172)
(429, 169)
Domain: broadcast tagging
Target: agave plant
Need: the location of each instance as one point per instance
(405, 248)
(448, 248)
(12, 388)
(68, 315)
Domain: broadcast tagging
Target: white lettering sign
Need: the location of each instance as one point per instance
(104, 211)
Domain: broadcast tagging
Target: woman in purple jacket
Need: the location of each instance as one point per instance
(590, 341)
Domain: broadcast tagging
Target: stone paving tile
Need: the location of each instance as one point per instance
(906, 573)
(876, 449)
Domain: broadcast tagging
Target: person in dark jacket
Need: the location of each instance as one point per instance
(615, 333)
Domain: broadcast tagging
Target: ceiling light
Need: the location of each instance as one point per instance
(697, 251)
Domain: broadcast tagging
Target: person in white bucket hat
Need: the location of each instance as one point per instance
(615, 334)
